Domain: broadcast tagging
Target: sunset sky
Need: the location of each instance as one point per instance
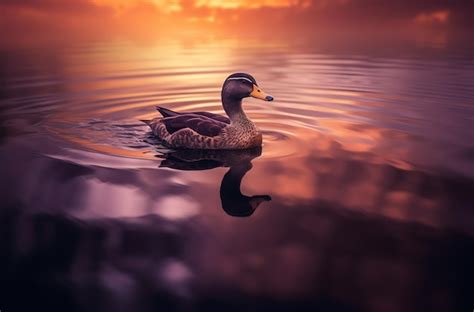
(240, 17)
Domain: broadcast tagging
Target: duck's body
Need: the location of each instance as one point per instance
(204, 130)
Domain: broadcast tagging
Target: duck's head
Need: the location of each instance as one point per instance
(241, 85)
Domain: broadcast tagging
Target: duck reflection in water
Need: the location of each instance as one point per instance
(233, 201)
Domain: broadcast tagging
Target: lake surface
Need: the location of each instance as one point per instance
(361, 198)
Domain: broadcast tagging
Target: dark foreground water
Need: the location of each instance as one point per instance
(361, 198)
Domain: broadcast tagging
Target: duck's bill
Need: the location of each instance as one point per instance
(259, 94)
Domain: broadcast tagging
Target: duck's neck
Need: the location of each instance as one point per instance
(233, 109)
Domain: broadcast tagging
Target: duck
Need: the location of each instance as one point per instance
(209, 131)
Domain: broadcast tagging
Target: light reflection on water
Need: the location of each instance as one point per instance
(367, 160)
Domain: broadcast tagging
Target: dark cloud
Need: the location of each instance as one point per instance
(51, 6)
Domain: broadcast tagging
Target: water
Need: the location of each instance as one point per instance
(360, 198)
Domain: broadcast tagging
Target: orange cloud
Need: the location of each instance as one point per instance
(122, 5)
(435, 17)
(234, 4)
(177, 5)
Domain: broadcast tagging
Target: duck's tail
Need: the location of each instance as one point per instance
(163, 111)
(166, 112)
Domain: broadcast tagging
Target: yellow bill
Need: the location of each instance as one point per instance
(259, 94)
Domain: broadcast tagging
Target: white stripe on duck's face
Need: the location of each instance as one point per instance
(241, 78)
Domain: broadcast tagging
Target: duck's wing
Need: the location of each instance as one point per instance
(201, 124)
(214, 116)
(170, 113)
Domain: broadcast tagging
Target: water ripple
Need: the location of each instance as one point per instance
(95, 102)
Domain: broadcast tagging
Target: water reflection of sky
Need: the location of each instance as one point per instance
(139, 239)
